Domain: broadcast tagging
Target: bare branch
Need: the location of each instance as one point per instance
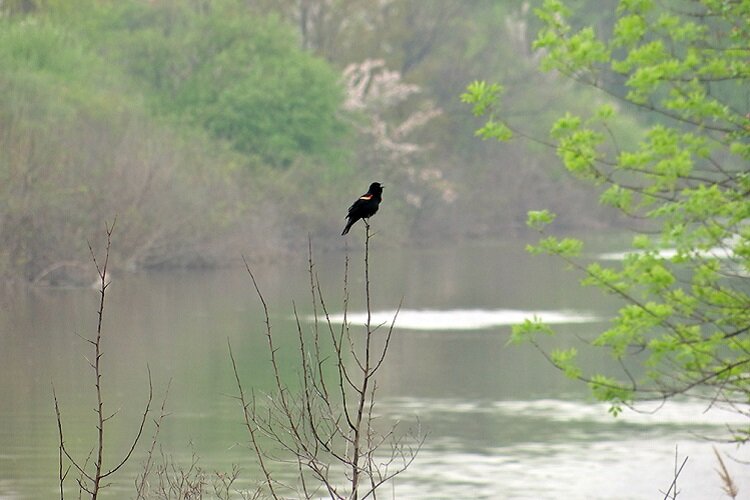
(326, 427)
(249, 424)
(141, 483)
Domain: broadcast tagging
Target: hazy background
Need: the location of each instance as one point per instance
(215, 128)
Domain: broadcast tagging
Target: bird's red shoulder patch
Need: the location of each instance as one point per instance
(366, 197)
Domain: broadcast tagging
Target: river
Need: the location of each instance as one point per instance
(497, 419)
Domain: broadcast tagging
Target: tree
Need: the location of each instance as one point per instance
(681, 69)
(374, 94)
(70, 123)
(240, 76)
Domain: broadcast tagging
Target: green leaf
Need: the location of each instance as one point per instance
(565, 247)
(539, 219)
(565, 360)
(629, 30)
(527, 330)
(482, 95)
(495, 130)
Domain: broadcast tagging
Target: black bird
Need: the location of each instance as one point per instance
(366, 206)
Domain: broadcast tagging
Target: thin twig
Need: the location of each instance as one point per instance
(141, 485)
(673, 486)
(251, 427)
(61, 447)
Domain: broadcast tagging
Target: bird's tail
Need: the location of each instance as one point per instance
(348, 226)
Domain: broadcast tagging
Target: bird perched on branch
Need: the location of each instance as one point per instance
(365, 207)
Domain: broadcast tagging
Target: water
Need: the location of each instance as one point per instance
(499, 421)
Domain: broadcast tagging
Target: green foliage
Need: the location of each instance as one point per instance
(563, 247)
(484, 98)
(539, 219)
(528, 329)
(79, 147)
(578, 145)
(45, 55)
(240, 76)
(185, 119)
(482, 95)
(685, 288)
(611, 391)
(565, 360)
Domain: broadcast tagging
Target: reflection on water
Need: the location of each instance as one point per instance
(460, 319)
(550, 449)
(500, 421)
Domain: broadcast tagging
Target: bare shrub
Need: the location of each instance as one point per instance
(327, 429)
